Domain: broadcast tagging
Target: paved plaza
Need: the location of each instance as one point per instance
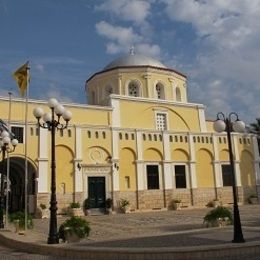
(156, 232)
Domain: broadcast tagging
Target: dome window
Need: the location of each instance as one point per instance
(178, 94)
(109, 90)
(133, 89)
(159, 91)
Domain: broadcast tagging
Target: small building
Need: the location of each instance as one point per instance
(138, 138)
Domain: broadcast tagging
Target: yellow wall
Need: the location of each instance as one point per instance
(127, 169)
(64, 169)
(247, 169)
(180, 155)
(204, 169)
(179, 118)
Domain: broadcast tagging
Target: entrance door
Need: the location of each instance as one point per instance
(96, 192)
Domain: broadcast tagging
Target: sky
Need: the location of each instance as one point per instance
(216, 43)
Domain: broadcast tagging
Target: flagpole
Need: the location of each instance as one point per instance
(8, 164)
(25, 154)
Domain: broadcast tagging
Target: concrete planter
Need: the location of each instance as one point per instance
(70, 236)
(45, 213)
(76, 212)
(253, 200)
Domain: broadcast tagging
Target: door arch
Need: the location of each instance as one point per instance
(17, 184)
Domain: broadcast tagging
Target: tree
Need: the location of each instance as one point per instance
(255, 129)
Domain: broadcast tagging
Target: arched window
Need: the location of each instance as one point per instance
(109, 90)
(159, 91)
(133, 89)
(178, 94)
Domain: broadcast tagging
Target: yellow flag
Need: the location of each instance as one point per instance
(21, 76)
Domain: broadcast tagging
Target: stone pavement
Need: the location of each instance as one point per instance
(148, 235)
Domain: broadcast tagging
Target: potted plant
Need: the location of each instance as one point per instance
(176, 204)
(74, 229)
(218, 217)
(109, 204)
(252, 199)
(44, 211)
(75, 209)
(124, 205)
(18, 219)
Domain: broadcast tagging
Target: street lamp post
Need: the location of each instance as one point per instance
(226, 124)
(5, 148)
(50, 123)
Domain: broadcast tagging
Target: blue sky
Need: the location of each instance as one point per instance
(214, 42)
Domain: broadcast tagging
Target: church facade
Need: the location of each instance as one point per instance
(138, 138)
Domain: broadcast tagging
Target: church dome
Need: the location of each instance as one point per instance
(134, 59)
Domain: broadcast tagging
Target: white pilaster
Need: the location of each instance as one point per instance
(140, 176)
(115, 175)
(166, 146)
(237, 172)
(78, 176)
(78, 152)
(43, 175)
(116, 122)
(168, 176)
(43, 170)
(216, 164)
(115, 157)
(139, 145)
(193, 177)
(203, 127)
(167, 169)
(120, 92)
(148, 86)
(237, 160)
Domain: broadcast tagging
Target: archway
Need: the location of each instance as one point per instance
(17, 184)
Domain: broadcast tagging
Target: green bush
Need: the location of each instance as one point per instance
(75, 205)
(19, 215)
(74, 225)
(43, 206)
(218, 213)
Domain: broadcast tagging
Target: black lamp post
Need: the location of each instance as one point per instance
(226, 124)
(50, 123)
(5, 148)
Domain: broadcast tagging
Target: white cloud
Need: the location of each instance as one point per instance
(151, 50)
(122, 38)
(129, 10)
(122, 35)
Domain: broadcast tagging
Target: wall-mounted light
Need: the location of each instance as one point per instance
(116, 166)
(79, 166)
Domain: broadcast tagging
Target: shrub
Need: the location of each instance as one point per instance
(75, 205)
(19, 215)
(43, 206)
(74, 225)
(219, 213)
(124, 203)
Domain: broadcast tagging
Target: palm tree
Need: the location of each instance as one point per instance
(255, 129)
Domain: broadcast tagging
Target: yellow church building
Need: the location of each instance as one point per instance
(138, 138)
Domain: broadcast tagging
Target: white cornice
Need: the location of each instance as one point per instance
(44, 102)
(157, 101)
